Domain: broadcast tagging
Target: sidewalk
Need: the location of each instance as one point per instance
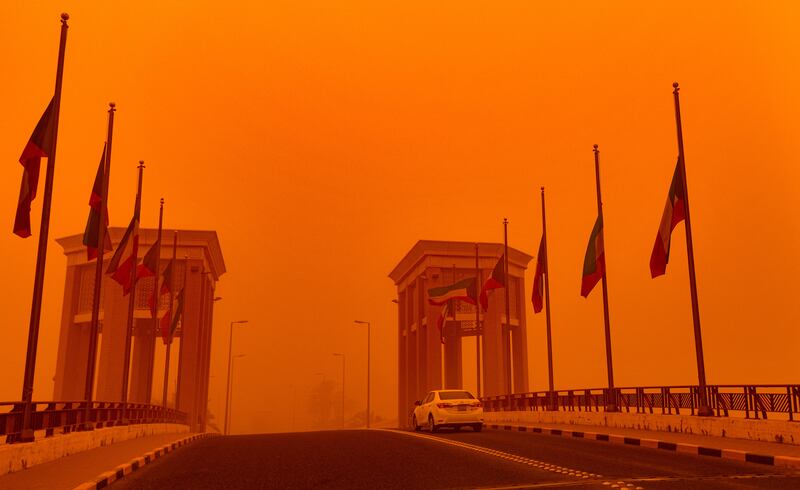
(725, 447)
(70, 471)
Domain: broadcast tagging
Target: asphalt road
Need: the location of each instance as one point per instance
(383, 459)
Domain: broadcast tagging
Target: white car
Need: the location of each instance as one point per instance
(448, 408)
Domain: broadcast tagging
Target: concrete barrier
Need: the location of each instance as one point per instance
(16, 457)
(755, 430)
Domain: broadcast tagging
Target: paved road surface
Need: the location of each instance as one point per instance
(491, 459)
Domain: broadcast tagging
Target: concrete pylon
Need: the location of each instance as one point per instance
(205, 265)
(420, 352)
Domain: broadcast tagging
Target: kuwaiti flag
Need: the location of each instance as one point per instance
(594, 262)
(495, 281)
(148, 266)
(122, 263)
(166, 286)
(91, 235)
(39, 145)
(465, 290)
(674, 213)
(440, 321)
(169, 325)
(537, 296)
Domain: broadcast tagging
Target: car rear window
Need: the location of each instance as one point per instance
(455, 395)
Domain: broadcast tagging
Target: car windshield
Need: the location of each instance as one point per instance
(455, 395)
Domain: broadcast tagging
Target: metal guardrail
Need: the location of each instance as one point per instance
(751, 401)
(64, 417)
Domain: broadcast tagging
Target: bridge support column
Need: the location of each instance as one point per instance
(72, 341)
(144, 347)
(112, 342)
(452, 363)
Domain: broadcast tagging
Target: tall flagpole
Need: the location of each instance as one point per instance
(611, 402)
(507, 333)
(156, 298)
(170, 312)
(552, 402)
(98, 271)
(41, 257)
(131, 301)
(703, 408)
(180, 356)
(477, 325)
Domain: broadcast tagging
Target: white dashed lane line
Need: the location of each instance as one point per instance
(570, 472)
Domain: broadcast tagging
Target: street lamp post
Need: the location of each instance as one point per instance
(237, 356)
(343, 357)
(228, 385)
(361, 322)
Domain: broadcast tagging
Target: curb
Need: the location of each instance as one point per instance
(679, 447)
(109, 477)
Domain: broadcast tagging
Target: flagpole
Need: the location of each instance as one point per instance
(156, 298)
(477, 325)
(611, 402)
(98, 271)
(180, 356)
(169, 312)
(41, 257)
(552, 402)
(131, 299)
(703, 407)
(507, 333)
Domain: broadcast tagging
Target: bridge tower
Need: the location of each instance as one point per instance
(200, 261)
(424, 362)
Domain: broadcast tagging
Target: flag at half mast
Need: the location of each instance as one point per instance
(122, 262)
(496, 280)
(674, 213)
(465, 290)
(537, 296)
(168, 322)
(594, 262)
(91, 235)
(39, 145)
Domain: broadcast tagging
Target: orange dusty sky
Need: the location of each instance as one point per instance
(322, 139)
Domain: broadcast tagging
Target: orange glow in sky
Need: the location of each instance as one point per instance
(321, 140)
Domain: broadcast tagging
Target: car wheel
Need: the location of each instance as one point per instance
(414, 423)
(432, 424)
(477, 427)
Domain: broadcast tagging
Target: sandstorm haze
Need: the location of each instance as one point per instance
(321, 140)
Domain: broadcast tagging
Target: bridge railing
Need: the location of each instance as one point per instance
(64, 417)
(747, 401)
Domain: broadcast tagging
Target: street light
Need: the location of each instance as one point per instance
(237, 356)
(343, 357)
(230, 362)
(361, 322)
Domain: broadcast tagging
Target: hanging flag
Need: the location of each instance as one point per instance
(537, 296)
(91, 235)
(594, 262)
(39, 145)
(440, 322)
(148, 266)
(164, 325)
(168, 328)
(674, 213)
(166, 286)
(495, 281)
(122, 262)
(464, 290)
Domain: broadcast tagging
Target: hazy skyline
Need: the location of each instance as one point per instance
(321, 140)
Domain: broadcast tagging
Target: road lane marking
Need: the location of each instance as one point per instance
(507, 456)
